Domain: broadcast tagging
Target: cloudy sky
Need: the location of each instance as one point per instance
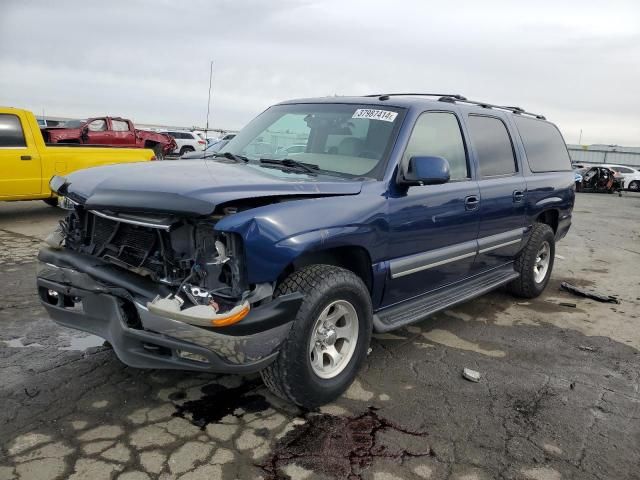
(576, 62)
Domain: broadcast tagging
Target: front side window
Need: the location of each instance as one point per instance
(437, 134)
(493, 146)
(11, 134)
(119, 126)
(345, 139)
(98, 125)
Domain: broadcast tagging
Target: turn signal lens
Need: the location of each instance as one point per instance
(235, 318)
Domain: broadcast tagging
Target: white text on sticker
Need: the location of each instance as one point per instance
(372, 114)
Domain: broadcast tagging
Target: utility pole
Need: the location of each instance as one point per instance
(206, 130)
(580, 139)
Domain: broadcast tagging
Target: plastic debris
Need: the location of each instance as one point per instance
(587, 348)
(580, 292)
(567, 304)
(471, 375)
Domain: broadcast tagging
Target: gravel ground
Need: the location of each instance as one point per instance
(558, 397)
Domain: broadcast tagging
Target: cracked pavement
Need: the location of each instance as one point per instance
(558, 397)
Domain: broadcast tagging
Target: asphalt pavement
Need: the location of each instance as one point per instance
(558, 396)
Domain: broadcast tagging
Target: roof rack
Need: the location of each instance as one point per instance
(385, 96)
(455, 98)
(516, 110)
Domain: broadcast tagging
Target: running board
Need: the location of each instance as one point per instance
(421, 307)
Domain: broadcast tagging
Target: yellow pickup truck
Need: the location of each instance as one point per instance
(27, 163)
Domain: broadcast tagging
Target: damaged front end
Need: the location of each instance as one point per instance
(175, 278)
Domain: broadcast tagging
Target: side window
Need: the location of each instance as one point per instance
(493, 146)
(437, 134)
(119, 126)
(543, 144)
(11, 134)
(98, 125)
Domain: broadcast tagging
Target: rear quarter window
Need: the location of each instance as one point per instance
(543, 144)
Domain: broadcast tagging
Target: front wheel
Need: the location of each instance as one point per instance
(158, 151)
(329, 338)
(534, 263)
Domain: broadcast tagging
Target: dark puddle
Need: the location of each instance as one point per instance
(218, 401)
(342, 447)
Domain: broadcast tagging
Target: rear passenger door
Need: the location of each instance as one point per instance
(121, 133)
(502, 191)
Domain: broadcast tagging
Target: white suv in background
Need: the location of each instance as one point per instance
(630, 176)
(186, 142)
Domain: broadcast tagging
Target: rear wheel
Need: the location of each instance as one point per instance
(186, 149)
(535, 263)
(634, 186)
(329, 338)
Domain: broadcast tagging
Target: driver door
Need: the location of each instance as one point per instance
(96, 132)
(433, 229)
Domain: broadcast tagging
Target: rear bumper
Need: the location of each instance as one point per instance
(98, 298)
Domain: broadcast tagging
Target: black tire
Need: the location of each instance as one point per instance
(634, 186)
(158, 151)
(291, 376)
(186, 149)
(52, 202)
(526, 286)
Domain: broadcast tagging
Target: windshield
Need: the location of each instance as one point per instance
(217, 146)
(344, 139)
(73, 123)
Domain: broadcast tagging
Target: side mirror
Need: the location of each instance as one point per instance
(426, 171)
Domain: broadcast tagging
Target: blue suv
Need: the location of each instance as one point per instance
(263, 260)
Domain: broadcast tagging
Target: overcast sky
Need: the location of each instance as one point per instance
(576, 62)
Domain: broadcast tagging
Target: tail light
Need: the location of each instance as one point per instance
(153, 158)
(202, 142)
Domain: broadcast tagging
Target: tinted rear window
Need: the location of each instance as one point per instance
(11, 134)
(545, 148)
(493, 146)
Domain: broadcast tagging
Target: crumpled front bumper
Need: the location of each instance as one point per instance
(85, 293)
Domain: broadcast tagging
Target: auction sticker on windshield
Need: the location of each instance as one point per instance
(372, 114)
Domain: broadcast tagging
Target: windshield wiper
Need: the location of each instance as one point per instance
(231, 156)
(289, 162)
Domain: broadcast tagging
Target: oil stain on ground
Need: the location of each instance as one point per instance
(218, 401)
(341, 447)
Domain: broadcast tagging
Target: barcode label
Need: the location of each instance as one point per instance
(372, 114)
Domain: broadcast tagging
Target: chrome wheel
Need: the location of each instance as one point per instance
(333, 339)
(634, 186)
(542, 262)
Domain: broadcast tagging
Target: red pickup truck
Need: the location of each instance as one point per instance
(111, 131)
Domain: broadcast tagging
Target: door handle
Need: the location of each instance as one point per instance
(25, 157)
(518, 196)
(471, 202)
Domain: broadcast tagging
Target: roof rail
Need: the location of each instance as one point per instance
(516, 110)
(455, 98)
(385, 96)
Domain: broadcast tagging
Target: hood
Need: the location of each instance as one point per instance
(191, 187)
